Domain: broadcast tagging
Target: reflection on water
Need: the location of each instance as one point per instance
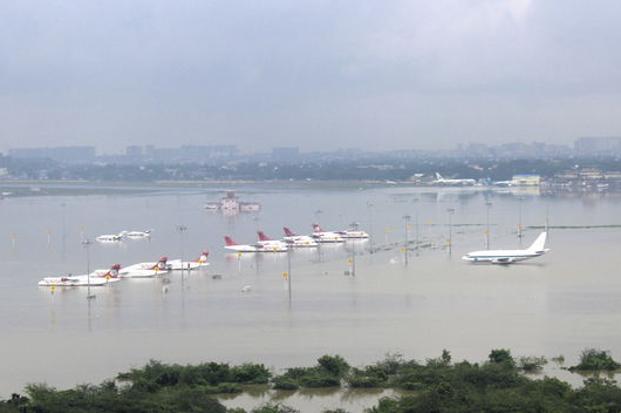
(309, 400)
(558, 304)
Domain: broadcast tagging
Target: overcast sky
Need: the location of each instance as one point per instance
(316, 74)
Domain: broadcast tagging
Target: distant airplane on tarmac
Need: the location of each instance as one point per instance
(440, 180)
(509, 256)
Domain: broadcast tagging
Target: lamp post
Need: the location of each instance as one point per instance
(354, 226)
(182, 229)
(406, 220)
(488, 205)
(450, 212)
(86, 243)
(289, 250)
(370, 208)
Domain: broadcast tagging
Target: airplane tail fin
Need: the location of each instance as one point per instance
(228, 241)
(262, 236)
(161, 264)
(113, 272)
(203, 257)
(288, 232)
(540, 242)
(317, 228)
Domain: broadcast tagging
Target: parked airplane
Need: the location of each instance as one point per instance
(353, 233)
(145, 269)
(509, 256)
(109, 238)
(95, 279)
(324, 237)
(298, 241)
(440, 180)
(244, 248)
(111, 275)
(135, 234)
(178, 264)
(266, 241)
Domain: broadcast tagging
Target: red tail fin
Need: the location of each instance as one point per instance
(206, 253)
(317, 228)
(229, 241)
(262, 236)
(288, 232)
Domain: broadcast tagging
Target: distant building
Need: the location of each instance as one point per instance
(526, 180)
(598, 146)
(231, 204)
(69, 154)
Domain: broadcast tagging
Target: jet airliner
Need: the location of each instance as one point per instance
(537, 249)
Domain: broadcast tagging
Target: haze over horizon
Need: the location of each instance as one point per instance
(317, 74)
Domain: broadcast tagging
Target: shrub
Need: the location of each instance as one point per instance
(501, 356)
(334, 365)
(250, 374)
(532, 364)
(284, 383)
(595, 360)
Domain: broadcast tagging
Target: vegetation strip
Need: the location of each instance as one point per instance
(437, 385)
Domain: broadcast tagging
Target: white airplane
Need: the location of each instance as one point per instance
(266, 241)
(440, 180)
(324, 237)
(112, 275)
(178, 265)
(109, 238)
(244, 248)
(135, 234)
(509, 256)
(145, 269)
(353, 233)
(298, 241)
(95, 279)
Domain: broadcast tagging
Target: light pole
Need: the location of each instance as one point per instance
(289, 250)
(370, 207)
(520, 218)
(488, 205)
(450, 212)
(86, 243)
(406, 219)
(317, 214)
(182, 229)
(416, 231)
(354, 226)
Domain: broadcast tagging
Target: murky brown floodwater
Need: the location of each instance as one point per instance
(558, 304)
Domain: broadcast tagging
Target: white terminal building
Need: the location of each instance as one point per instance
(230, 203)
(526, 180)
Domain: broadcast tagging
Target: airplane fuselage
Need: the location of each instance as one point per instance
(500, 256)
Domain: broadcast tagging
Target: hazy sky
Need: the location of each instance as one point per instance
(316, 74)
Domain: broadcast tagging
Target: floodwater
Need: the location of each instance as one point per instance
(558, 304)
